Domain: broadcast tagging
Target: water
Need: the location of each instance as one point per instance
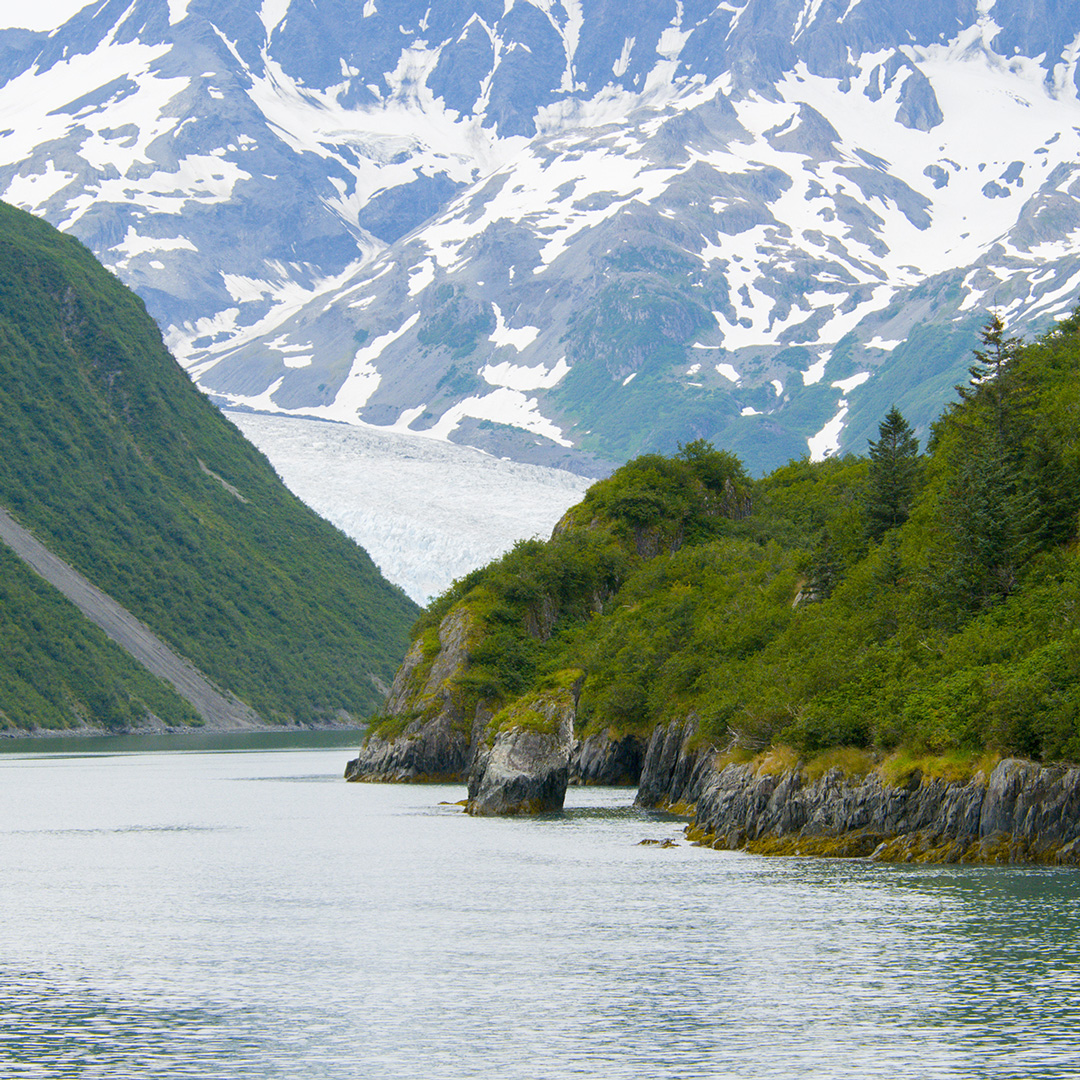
(215, 914)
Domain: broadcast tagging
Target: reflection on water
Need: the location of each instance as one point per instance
(191, 742)
(248, 915)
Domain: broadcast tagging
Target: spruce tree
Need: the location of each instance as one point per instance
(992, 518)
(824, 570)
(894, 467)
(990, 364)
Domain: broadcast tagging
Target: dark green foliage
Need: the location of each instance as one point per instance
(988, 369)
(655, 502)
(115, 461)
(890, 601)
(989, 519)
(892, 475)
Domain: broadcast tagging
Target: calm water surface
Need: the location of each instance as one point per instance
(216, 914)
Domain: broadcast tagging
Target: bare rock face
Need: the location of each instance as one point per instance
(603, 759)
(525, 769)
(676, 769)
(437, 739)
(1022, 812)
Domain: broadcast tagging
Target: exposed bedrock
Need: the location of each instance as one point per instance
(606, 758)
(525, 768)
(676, 768)
(1022, 812)
(521, 763)
(436, 739)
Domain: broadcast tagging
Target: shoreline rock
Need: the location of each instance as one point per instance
(1023, 812)
(675, 771)
(437, 741)
(526, 768)
(601, 759)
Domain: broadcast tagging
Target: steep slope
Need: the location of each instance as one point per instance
(123, 469)
(132, 635)
(566, 232)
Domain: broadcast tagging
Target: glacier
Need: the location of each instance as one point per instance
(427, 512)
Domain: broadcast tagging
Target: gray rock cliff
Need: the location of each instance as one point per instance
(1021, 812)
(435, 739)
(676, 769)
(607, 758)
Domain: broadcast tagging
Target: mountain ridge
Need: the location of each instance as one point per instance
(567, 232)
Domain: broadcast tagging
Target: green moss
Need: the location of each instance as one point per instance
(540, 713)
(563, 679)
(430, 644)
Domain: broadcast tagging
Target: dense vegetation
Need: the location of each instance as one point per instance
(120, 466)
(898, 600)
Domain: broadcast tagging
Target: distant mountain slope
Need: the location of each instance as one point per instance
(566, 231)
(132, 635)
(123, 469)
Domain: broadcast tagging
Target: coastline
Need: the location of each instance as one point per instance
(1018, 812)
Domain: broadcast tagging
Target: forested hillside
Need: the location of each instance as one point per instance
(120, 466)
(897, 601)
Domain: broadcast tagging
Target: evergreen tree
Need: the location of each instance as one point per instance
(989, 367)
(992, 518)
(824, 570)
(894, 468)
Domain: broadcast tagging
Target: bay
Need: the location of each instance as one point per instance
(226, 912)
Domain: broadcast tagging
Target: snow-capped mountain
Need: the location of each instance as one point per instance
(566, 231)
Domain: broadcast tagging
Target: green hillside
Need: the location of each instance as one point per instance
(117, 463)
(925, 604)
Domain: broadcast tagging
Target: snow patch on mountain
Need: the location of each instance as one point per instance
(520, 337)
(329, 215)
(518, 377)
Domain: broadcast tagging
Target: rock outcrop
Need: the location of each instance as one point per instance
(608, 759)
(435, 739)
(676, 768)
(1021, 812)
(525, 769)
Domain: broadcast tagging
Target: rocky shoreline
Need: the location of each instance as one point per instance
(1021, 812)
(520, 760)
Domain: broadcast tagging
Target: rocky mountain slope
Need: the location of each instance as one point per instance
(566, 231)
(124, 472)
